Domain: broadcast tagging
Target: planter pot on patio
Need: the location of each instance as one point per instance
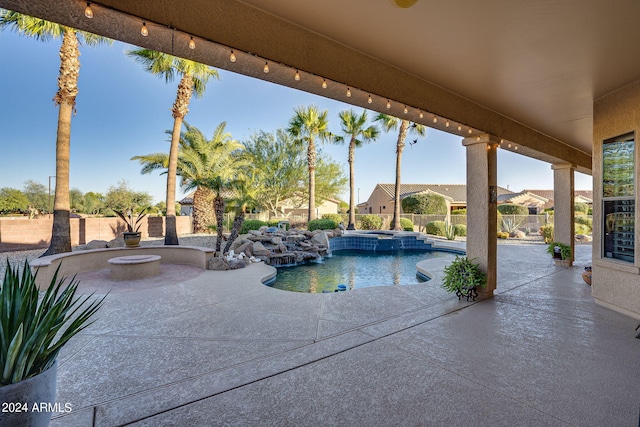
(562, 262)
(28, 403)
(131, 240)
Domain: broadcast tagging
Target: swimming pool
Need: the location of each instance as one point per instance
(355, 269)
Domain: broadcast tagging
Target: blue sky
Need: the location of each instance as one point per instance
(122, 111)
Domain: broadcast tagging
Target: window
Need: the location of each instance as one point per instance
(618, 197)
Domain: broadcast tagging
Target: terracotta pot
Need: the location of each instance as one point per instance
(29, 402)
(132, 239)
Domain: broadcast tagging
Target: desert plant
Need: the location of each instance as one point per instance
(449, 231)
(461, 230)
(584, 221)
(582, 229)
(251, 224)
(321, 224)
(547, 233)
(581, 208)
(565, 250)
(435, 227)
(406, 224)
(463, 277)
(370, 222)
(503, 235)
(337, 218)
(510, 225)
(28, 344)
(132, 226)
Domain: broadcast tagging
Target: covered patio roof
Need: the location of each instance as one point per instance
(525, 73)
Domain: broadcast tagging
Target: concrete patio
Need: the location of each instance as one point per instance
(204, 348)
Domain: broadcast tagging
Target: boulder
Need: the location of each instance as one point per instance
(96, 244)
(118, 242)
(259, 250)
(246, 248)
(282, 248)
(320, 239)
(583, 238)
(296, 237)
(234, 264)
(517, 234)
(255, 233)
(241, 240)
(218, 263)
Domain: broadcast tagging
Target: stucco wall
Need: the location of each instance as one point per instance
(24, 233)
(615, 284)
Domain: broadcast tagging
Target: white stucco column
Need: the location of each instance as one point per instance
(481, 205)
(563, 205)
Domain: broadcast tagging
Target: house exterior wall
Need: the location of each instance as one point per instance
(379, 202)
(615, 284)
(326, 207)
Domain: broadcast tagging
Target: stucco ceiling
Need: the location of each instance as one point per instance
(541, 63)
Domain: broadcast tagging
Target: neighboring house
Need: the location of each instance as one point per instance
(381, 200)
(580, 196)
(288, 207)
(534, 202)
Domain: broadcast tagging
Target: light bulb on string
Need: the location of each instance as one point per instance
(348, 93)
(232, 57)
(144, 31)
(388, 104)
(369, 100)
(516, 148)
(406, 110)
(447, 123)
(459, 128)
(192, 44)
(266, 68)
(421, 115)
(435, 119)
(470, 131)
(324, 84)
(88, 12)
(297, 76)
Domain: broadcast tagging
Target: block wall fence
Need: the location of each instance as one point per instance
(23, 234)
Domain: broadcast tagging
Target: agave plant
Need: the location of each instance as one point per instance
(449, 231)
(133, 226)
(28, 328)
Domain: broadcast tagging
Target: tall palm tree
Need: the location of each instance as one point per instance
(244, 197)
(198, 160)
(65, 99)
(390, 123)
(307, 125)
(353, 126)
(194, 77)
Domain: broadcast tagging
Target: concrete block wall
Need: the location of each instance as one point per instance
(24, 234)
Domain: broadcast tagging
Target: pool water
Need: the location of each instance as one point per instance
(355, 269)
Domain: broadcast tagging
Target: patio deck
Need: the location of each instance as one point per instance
(206, 348)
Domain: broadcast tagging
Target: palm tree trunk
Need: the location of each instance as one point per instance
(402, 134)
(352, 185)
(171, 233)
(203, 214)
(219, 208)
(311, 160)
(235, 231)
(66, 99)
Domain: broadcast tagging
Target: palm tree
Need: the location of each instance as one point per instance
(390, 123)
(65, 98)
(244, 197)
(193, 81)
(198, 160)
(307, 125)
(353, 126)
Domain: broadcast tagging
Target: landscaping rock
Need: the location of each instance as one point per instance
(320, 239)
(255, 233)
(118, 242)
(218, 263)
(234, 264)
(97, 244)
(517, 234)
(583, 238)
(246, 248)
(260, 251)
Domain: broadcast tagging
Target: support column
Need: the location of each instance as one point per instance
(481, 205)
(563, 205)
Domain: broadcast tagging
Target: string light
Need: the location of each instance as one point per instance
(192, 44)
(266, 67)
(144, 30)
(509, 145)
(470, 131)
(369, 100)
(324, 84)
(447, 123)
(297, 76)
(516, 148)
(406, 110)
(459, 128)
(421, 115)
(88, 12)
(232, 57)
(435, 119)
(388, 104)
(348, 93)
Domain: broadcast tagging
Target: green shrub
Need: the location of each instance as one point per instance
(461, 230)
(584, 221)
(547, 233)
(425, 204)
(251, 224)
(565, 250)
(512, 209)
(503, 235)
(459, 212)
(337, 218)
(581, 208)
(590, 211)
(435, 227)
(462, 275)
(369, 222)
(406, 224)
(582, 229)
(321, 224)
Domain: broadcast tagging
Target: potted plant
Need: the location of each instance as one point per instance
(33, 332)
(464, 277)
(560, 252)
(132, 236)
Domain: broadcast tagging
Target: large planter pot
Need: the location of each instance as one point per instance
(131, 240)
(29, 402)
